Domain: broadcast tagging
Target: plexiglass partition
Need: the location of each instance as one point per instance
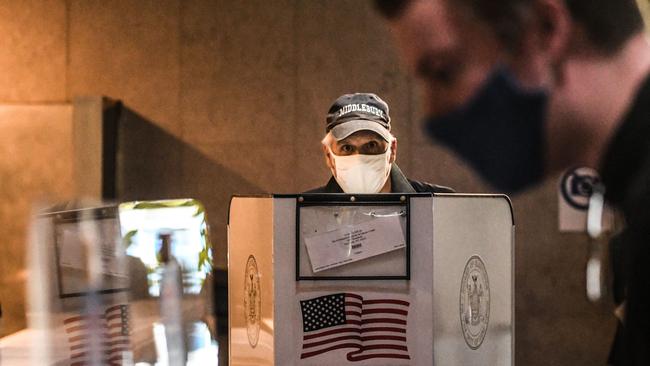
(125, 284)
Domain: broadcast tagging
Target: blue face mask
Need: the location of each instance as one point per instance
(499, 132)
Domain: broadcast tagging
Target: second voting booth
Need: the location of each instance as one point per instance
(388, 279)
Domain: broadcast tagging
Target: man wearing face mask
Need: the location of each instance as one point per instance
(575, 92)
(360, 150)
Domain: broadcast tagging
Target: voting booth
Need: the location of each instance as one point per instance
(118, 285)
(386, 279)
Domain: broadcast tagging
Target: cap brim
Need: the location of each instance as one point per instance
(346, 129)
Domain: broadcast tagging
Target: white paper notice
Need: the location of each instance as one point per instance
(353, 243)
(71, 252)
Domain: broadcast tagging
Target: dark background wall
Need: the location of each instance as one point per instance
(243, 87)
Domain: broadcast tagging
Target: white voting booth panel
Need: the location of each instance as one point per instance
(441, 295)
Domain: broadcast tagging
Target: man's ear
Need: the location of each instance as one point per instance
(393, 150)
(555, 26)
(328, 159)
(557, 32)
(546, 40)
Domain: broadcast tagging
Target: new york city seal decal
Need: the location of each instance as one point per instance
(474, 302)
(252, 301)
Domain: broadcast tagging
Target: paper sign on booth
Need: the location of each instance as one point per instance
(352, 243)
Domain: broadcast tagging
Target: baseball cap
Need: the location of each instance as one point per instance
(359, 111)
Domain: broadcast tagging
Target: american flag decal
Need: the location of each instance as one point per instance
(115, 337)
(370, 328)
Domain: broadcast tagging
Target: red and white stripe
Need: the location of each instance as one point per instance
(374, 328)
(383, 330)
(111, 330)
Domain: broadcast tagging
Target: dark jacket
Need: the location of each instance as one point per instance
(398, 182)
(625, 170)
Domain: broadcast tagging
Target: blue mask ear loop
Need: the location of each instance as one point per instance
(595, 285)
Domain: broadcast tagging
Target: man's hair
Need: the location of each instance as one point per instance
(608, 24)
(327, 140)
(391, 9)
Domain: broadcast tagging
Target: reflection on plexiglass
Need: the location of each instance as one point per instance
(168, 250)
(145, 226)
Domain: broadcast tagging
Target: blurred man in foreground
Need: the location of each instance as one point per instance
(570, 87)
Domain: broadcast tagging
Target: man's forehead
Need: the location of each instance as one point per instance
(428, 24)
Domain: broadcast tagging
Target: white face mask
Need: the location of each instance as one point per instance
(362, 173)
